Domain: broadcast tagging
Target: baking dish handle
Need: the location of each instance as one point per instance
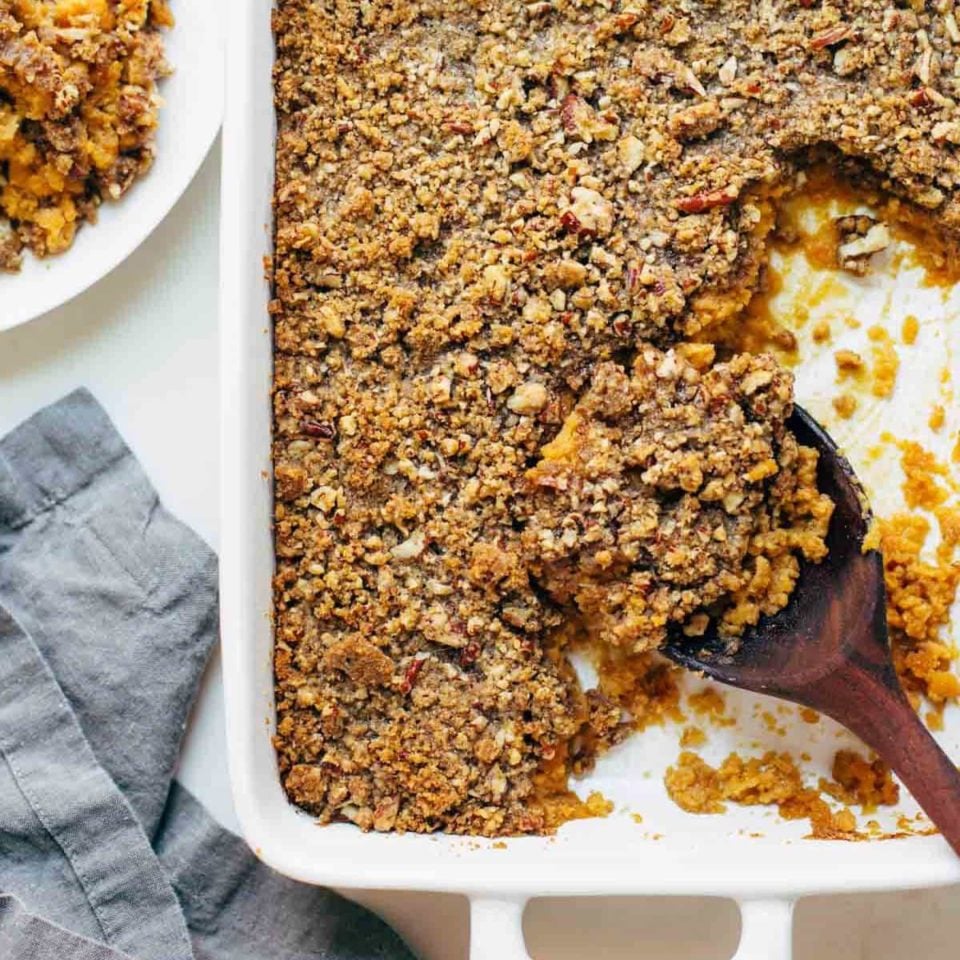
(496, 929)
(766, 930)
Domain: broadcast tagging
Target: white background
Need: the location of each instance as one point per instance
(144, 341)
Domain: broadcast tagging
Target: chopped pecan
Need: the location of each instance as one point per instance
(321, 429)
(574, 111)
(699, 120)
(580, 120)
(410, 675)
(540, 9)
(570, 222)
(707, 200)
(831, 36)
(591, 211)
(469, 654)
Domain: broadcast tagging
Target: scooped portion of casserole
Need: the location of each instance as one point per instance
(674, 494)
(497, 225)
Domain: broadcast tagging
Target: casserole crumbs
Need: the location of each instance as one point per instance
(775, 780)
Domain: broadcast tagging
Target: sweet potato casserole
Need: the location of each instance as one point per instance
(513, 246)
(78, 113)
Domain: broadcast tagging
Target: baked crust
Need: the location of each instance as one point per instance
(478, 209)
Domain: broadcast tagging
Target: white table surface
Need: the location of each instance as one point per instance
(145, 342)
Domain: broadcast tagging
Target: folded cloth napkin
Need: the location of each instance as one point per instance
(108, 611)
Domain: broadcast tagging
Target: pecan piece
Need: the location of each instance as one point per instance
(707, 200)
(469, 654)
(580, 120)
(574, 113)
(921, 99)
(831, 36)
(570, 222)
(410, 675)
(320, 429)
(589, 212)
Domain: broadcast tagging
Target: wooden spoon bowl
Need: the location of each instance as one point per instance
(829, 649)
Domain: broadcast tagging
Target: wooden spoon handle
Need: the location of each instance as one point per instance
(874, 707)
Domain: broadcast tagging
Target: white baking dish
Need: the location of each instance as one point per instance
(669, 853)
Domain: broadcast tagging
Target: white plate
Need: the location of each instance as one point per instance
(189, 120)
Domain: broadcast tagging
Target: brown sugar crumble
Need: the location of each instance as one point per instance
(484, 218)
(78, 113)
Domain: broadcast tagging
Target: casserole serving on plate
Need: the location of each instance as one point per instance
(670, 852)
(189, 102)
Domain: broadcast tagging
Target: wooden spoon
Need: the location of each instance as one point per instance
(828, 648)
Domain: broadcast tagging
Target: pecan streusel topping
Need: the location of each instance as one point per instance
(480, 209)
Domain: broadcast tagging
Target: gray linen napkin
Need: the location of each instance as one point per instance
(108, 611)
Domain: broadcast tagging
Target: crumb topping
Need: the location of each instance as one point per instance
(480, 213)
